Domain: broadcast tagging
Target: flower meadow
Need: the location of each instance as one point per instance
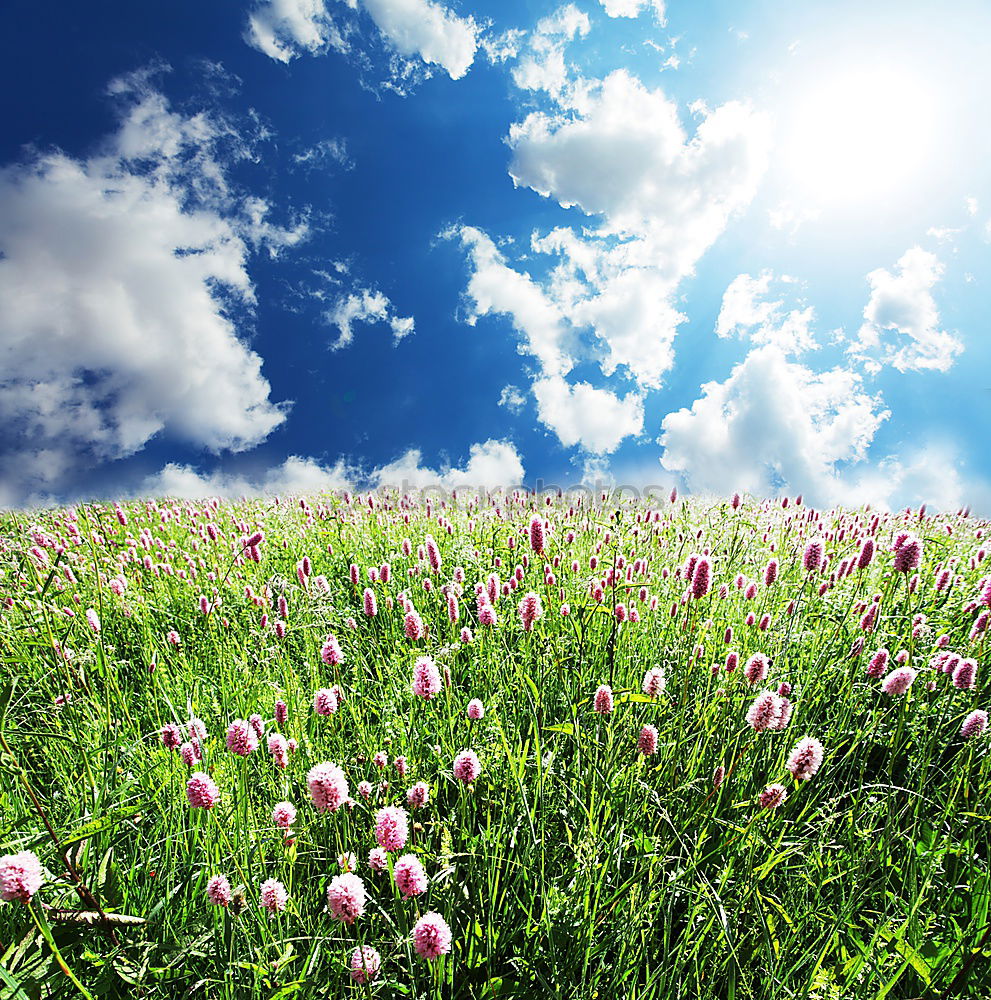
(499, 745)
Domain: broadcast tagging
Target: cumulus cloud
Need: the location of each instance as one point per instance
(295, 475)
(490, 465)
(366, 306)
(902, 304)
(773, 424)
(426, 29)
(632, 8)
(119, 277)
(512, 399)
(542, 65)
(581, 414)
(284, 29)
(748, 311)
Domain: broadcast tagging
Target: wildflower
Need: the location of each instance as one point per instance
(94, 620)
(756, 668)
(370, 605)
(365, 964)
(278, 747)
(241, 738)
(426, 678)
(466, 766)
(701, 579)
(717, 776)
(866, 554)
(328, 787)
(281, 713)
(365, 789)
(603, 703)
(401, 766)
(784, 715)
(377, 859)
(431, 936)
(347, 862)
(257, 724)
(647, 741)
(380, 759)
(732, 661)
(171, 736)
(325, 702)
(188, 754)
(273, 895)
(878, 663)
(771, 572)
(654, 682)
(975, 724)
(898, 681)
(805, 759)
(201, 791)
(20, 876)
(475, 709)
(537, 535)
(964, 674)
(530, 610)
(417, 796)
(413, 625)
(773, 796)
(330, 652)
(907, 554)
(218, 890)
(765, 711)
(391, 828)
(411, 879)
(812, 560)
(284, 815)
(346, 897)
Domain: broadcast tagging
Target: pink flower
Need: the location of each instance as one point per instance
(94, 620)
(380, 759)
(975, 724)
(701, 579)
(466, 766)
(273, 895)
(756, 668)
(908, 553)
(328, 787)
(391, 828)
(773, 796)
(654, 682)
(201, 791)
(647, 741)
(486, 614)
(20, 876)
(878, 663)
(805, 759)
(812, 560)
(530, 610)
(284, 815)
(257, 724)
(365, 789)
(189, 754)
(348, 861)
(281, 713)
(765, 712)
(417, 796)
(413, 625)
(401, 766)
(866, 554)
(331, 653)
(537, 535)
(602, 702)
(278, 747)
(771, 572)
(346, 897)
(431, 936)
(171, 736)
(475, 709)
(411, 879)
(241, 738)
(218, 890)
(964, 675)
(898, 681)
(377, 859)
(369, 604)
(325, 702)
(365, 964)
(426, 678)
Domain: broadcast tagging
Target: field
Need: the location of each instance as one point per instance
(723, 749)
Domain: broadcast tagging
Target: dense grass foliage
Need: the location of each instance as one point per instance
(591, 855)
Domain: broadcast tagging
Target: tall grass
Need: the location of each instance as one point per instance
(574, 866)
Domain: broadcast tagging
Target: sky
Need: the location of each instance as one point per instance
(294, 245)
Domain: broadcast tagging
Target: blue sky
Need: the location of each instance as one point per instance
(296, 244)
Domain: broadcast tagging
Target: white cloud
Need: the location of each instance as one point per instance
(490, 464)
(512, 399)
(596, 419)
(748, 311)
(295, 476)
(773, 424)
(283, 29)
(426, 29)
(542, 66)
(632, 8)
(119, 275)
(367, 306)
(494, 287)
(902, 303)
(504, 46)
(790, 217)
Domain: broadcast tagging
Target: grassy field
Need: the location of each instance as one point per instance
(626, 819)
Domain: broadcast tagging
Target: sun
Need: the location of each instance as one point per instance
(858, 135)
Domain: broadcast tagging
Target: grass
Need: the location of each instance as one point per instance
(574, 866)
